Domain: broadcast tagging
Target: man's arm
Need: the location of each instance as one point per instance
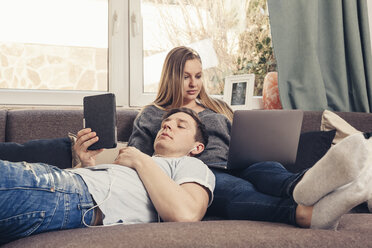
(173, 202)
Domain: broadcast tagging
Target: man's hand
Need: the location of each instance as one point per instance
(86, 138)
(131, 157)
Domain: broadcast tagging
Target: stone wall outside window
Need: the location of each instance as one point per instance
(49, 67)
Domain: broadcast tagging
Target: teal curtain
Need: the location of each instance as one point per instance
(323, 52)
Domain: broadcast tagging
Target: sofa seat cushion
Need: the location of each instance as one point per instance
(354, 231)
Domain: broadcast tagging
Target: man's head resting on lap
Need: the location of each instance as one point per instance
(181, 134)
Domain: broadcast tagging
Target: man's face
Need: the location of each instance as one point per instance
(177, 136)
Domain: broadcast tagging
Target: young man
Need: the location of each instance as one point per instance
(171, 186)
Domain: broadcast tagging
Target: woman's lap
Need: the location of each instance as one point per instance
(238, 198)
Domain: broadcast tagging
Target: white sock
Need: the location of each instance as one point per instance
(339, 166)
(328, 211)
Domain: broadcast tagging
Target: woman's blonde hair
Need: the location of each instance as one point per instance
(170, 92)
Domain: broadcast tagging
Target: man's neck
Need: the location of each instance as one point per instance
(168, 155)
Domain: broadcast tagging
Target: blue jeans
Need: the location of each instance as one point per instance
(261, 192)
(37, 198)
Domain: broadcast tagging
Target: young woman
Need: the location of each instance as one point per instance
(261, 192)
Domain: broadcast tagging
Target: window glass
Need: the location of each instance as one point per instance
(232, 37)
(54, 45)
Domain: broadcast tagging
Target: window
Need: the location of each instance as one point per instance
(232, 37)
(57, 51)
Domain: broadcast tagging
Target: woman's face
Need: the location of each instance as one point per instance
(192, 80)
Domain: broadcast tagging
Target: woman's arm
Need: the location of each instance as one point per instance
(173, 202)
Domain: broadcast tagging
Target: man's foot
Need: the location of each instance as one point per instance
(341, 165)
(328, 211)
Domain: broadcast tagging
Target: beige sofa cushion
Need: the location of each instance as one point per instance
(331, 121)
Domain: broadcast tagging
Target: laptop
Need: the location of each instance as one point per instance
(264, 135)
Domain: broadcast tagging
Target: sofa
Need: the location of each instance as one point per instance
(21, 125)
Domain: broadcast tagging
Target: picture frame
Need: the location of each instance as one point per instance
(238, 91)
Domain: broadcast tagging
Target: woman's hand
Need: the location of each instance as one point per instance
(131, 157)
(86, 138)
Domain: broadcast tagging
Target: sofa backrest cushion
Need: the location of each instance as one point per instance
(2, 124)
(125, 119)
(361, 121)
(311, 121)
(25, 125)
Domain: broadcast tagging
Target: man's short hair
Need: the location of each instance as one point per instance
(201, 132)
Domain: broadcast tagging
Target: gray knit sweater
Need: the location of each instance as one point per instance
(148, 122)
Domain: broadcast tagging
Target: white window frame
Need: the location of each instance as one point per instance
(138, 97)
(118, 69)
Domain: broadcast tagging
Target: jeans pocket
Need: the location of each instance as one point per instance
(20, 226)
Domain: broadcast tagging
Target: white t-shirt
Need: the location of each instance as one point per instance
(128, 201)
